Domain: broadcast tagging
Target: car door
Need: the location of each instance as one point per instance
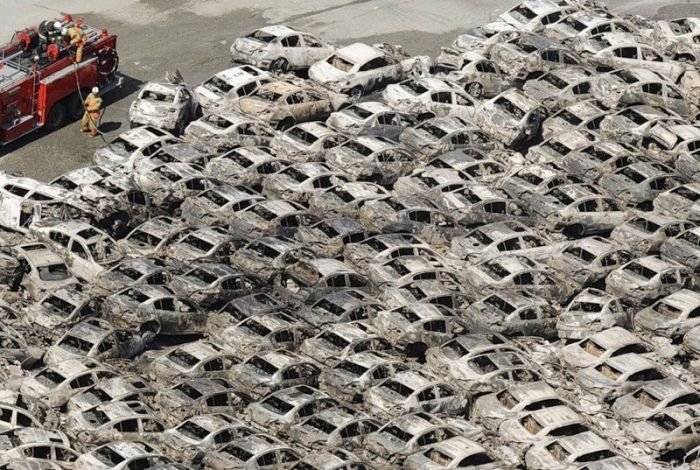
(674, 99)
(293, 50)
(80, 260)
(319, 105)
(376, 73)
(441, 102)
(625, 57)
(298, 107)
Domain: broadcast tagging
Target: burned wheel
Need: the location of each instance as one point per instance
(356, 93)
(285, 124)
(279, 65)
(56, 117)
(475, 89)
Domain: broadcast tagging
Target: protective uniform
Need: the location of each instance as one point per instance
(77, 39)
(93, 111)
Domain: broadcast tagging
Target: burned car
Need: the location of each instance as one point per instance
(638, 184)
(155, 309)
(345, 199)
(217, 133)
(429, 97)
(683, 248)
(588, 261)
(264, 257)
(218, 204)
(87, 250)
(251, 452)
(585, 23)
(282, 409)
(672, 316)
(203, 244)
(339, 306)
(680, 202)
(268, 371)
(523, 55)
(340, 340)
(191, 360)
(359, 69)
(582, 115)
(591, 311)
(418, 326)
(410, 214)
(62, 307)
(280, 48)
(299, 181)
(405, 435)
(410, 391)
(375, 159)
(627, 50)
(245, 165)
(199, 434)
(455, 452)
(638, 86)
(534, 15)
(306, 142)
(477, 75)
(512, 271)
(328, 236)
(646, 232)
(211, 285)
(97, 339)
(153, 236)
(145, 140)
(216, 92)
(515, 313)
(282, 104)
(370, 118)
(55, 385)
(560, 88)
(618, 375)
(136, 271)
(194, 397)
(597, 348)
(351, 377)
(168, 105)
(122, 420)
(442, 134)
(643, 280)
(576, 210)
(39, 270)
(263, 332)
(511, 117)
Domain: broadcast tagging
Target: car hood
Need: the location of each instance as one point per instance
(248, 45)
(323, 72)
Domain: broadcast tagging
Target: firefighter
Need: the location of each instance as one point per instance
(93, 110)
(78, 39)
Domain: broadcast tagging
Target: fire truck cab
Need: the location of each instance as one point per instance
(41, 85)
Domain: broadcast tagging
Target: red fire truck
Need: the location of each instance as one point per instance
(40, 82)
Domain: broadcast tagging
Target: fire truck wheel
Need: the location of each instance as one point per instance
(75, 106)
(57, 117)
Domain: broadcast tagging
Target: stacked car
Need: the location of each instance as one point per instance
(331, 256)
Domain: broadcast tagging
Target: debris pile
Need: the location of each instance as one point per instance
(487, 260)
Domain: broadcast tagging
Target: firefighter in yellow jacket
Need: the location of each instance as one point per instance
(78, 39)
(93, 111)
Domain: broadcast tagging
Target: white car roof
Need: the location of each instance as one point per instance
(278, 30)
(359, 53)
